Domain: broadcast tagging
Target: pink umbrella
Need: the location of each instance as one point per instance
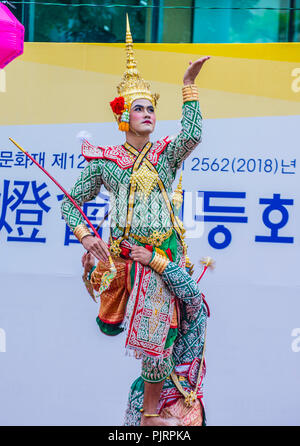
(11, 36)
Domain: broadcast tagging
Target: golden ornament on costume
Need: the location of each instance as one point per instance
(115, 247)
(189, 265)
(157, 238)
(177, 198)
(145, 180)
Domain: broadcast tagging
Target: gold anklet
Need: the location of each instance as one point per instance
(148, 414)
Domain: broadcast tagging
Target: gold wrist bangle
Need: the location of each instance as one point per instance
(153, 264)
(156, 263)
(190, 93)
(189, 87)
(164, 262)
(159, 263)
(81, 231)
(159, 266)
(163, 265)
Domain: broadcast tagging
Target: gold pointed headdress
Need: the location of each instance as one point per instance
(132, 85)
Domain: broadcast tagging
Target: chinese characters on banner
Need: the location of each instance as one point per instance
(24, 206)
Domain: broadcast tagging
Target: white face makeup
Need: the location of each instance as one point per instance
(142, 117)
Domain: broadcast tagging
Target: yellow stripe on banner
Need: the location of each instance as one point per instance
(281, 51)
(69, 82)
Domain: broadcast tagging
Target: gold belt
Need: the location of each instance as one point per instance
(155, 239)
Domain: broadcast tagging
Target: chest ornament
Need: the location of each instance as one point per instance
(144, 180)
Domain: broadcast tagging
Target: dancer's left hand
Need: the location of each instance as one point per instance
(193, 70)
(87, 261)
(141, 254)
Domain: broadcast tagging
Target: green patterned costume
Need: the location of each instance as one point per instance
(113, 167)
(188, 347)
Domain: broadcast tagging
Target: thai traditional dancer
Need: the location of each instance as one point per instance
(145, 232)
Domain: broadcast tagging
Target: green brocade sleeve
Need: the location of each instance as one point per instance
(86, 188)
(189, 137)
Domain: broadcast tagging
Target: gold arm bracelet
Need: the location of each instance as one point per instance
(155, 263)
(190, 93)
(159, 263)
(81, 231)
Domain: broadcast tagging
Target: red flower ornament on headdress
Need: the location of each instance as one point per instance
(118, 105)
(121, 112)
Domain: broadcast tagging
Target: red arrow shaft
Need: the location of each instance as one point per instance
(61, 188)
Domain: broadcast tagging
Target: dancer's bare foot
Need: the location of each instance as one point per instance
(158, 421)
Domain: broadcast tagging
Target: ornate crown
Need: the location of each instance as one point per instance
(132, 85)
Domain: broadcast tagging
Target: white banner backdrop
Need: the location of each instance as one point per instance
(241, 207)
